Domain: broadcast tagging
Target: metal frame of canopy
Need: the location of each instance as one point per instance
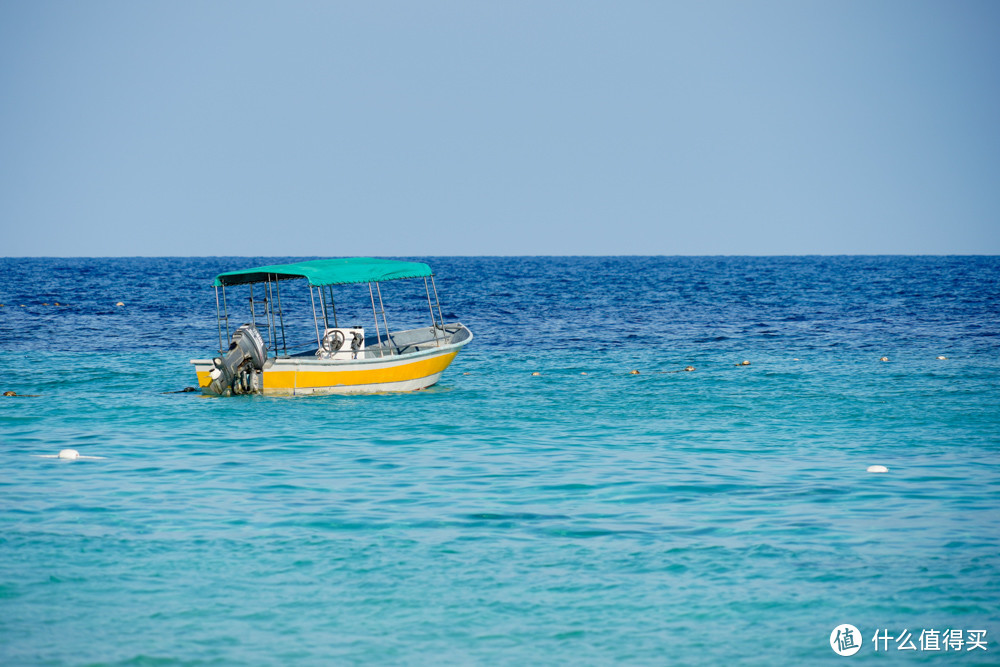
(358, 270)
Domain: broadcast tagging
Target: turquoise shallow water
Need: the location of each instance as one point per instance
(501, 517)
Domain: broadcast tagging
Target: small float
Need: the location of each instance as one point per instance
(260, 359)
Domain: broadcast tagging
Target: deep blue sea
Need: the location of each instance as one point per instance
(584, 515)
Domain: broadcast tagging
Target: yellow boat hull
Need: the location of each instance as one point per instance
(296, 376)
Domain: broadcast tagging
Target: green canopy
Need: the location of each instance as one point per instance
(321, 272)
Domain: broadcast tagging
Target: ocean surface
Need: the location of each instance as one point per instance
(584, 515)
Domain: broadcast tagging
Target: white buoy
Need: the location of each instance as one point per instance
(877, 468)
(941, 357)
(69, 455)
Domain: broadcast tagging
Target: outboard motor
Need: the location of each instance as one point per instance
(239, 371)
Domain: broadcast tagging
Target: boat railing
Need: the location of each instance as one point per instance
(394, 345)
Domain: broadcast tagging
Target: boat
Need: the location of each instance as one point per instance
(260, 359)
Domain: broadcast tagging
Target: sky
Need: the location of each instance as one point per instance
(499, 128)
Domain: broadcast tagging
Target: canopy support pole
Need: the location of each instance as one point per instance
(281, 316)
(270, 317)
(388, 339)
(438, 302)
(378, 336)
(225, 310)
(431, 307)
(218, 317)
(322, 305)
(253, 315)
(319, 344)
